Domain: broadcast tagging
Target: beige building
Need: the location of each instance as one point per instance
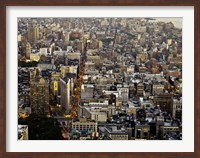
(80, 125)
(157, 88)
(33, 34)
(74, 55)
(140, 89)
(142, 57)
(34, 57)
(68, 69)
(93, 113)
(28, 50)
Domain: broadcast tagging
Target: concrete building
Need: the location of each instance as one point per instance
(22, 132)
(140, 89)
(43, 51)
(124, 93)
(165, 101)
(113, 133)
(74, 55)
(34, 57)
(142, 131)
(87, 91)
(33, 34)
(177, 109)
(28, 50)
(80, 46)
(65, 94)
(85, 125)
(46, 66)
(67, 36)
(93, 113)
(157, 88)
(68, 69)
(168, 131)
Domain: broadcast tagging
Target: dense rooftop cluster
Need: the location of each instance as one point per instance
(123, 76)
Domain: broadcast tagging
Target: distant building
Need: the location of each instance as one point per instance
(116, 134)
(177, 109)
(124, 92)
(68, 69)
(169, 132)
(158, 88)
(74, 55)
(46, 66)
(67, 37)
(165, 101)
(94, 113)
(34, 57)
(28, 50)
(142, 131)
(33, 34)
(43, 51)
(85, 125)
(87, 91)
(100, 44)
(140, 89)
(80, 46)
(22, 132)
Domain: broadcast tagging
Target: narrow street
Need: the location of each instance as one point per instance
(74, 112)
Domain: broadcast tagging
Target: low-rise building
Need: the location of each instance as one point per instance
(22, 132)
(85, 125)
(113, 133)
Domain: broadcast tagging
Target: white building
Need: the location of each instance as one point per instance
(22, 132)
(43, 51)
(65, 94)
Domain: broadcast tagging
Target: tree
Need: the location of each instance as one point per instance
(27, 64)
(41, 127)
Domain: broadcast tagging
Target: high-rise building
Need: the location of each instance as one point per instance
(140, 89)
(39, 96)
(177, 108)
(100, 44)
(28, 50)
(80, 46)
(33, 33)
(65, 93)
(124, 93)
(67, 36)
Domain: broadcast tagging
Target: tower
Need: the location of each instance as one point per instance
(80, 46)
(33, 34)
(28, 50)
(39, 96)
(65, 94)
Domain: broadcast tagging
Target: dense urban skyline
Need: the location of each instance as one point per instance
(100, 78)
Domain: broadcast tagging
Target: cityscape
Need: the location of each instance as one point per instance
(99, 78)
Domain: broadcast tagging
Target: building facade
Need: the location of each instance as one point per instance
(65, 94)
(39, 96)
